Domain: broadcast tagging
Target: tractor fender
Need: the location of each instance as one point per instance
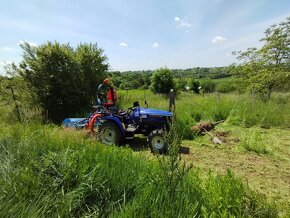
(116, 121)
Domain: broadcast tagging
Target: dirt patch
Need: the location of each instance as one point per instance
(227, 138)
(222, 133)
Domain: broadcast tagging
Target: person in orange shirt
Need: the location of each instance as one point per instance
(111, 98)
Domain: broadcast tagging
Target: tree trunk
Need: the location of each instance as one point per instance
(269, 93)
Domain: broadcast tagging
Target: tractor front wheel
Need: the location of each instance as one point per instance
(157, 142)
(109, 133)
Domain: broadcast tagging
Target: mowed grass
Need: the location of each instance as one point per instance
(48, 172)
(265, 166)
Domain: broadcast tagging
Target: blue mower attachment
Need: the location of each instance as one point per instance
(77, 123)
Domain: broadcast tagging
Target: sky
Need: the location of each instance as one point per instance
(141, 34)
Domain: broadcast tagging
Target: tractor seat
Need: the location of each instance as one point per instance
(109, 104)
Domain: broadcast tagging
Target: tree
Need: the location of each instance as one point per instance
(181, 84)
(15, 94)
(267, 68)
(64, 79)
(162, 81)
(208, 85)
(194, 85)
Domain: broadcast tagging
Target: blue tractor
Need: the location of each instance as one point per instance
(113, 128)
(116, 127)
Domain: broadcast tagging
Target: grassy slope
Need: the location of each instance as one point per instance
(47, 172)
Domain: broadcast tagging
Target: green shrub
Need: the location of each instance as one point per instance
(162, 81)
(208, 85)
(226, 87)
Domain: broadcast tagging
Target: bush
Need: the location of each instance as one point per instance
(226, 87)
(162, 81)
(208, 86)
(181, 84)
(195, 85)
(64, 79)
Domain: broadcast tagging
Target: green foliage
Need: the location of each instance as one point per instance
(63, 79)
(208, 86)
(263, 70)
(194, 85)
(226, 86)
(16, 98)
(46, 172)
(131, 80)
(162, 81)
(142, 79)
(181, 84)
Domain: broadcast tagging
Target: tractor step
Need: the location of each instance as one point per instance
(129, 132)
(129, 138)
(130, 129)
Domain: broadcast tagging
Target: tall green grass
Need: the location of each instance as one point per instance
(47, 172)
(240, 110)
(254, 141)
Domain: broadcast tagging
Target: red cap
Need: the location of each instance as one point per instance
(106, 81)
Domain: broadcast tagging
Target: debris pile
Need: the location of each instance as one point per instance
(202, 128)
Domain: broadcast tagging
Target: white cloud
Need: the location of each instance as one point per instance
(218, 39)
(155, 45)
(32, 44)
(123, 44)
(6, 49)
(182, 22)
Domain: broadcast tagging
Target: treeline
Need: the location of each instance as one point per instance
(142, 79)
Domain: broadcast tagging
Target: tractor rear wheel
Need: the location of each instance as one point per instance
(109, 133)
(157, 141)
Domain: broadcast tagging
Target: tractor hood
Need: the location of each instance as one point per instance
(152, 112)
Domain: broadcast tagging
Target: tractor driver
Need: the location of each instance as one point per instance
(110, 99)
